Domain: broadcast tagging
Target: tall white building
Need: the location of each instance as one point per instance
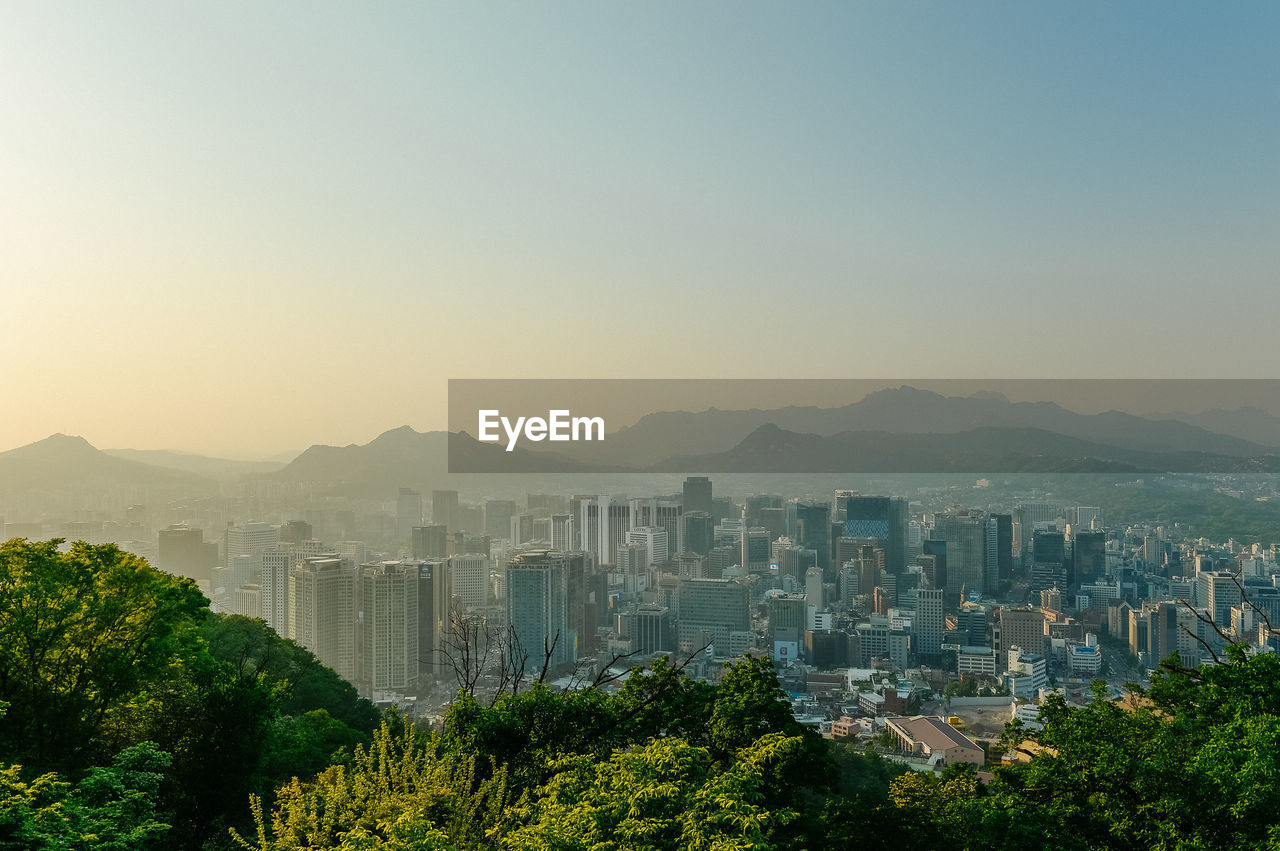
(655, 541)
(388, 626)
(251, 539)
(277, 564)
(322, 616)
(470, 577)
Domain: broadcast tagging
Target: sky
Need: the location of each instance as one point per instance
(242, 228)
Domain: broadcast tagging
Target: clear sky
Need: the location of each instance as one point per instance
(238, 228)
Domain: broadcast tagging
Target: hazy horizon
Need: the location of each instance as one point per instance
(245, 228)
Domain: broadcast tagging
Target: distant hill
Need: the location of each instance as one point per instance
(403, 457)
(222, 469)
(904, 410)
(1247, 423)
(770, 449)
(64, 460)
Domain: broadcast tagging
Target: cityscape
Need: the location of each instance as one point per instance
(639, 427)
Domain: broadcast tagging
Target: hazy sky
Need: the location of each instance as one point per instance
(240, 228)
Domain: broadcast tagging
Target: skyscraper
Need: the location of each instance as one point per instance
(323, 612)
(430, 541)
(469, 575)
(277, 565)
(884, 518)
(444, 509)
(435, 612)
(538, 607)
(929, 624)
(697, 494)
(388, 626)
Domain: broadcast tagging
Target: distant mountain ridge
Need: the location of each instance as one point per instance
(904, 410)
(403, 457)
(62, 460)
(984, 450)
(223, 469)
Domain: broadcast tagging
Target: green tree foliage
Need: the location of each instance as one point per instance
(82, 635)
(101, 655)
(305, 684)
(113, 808)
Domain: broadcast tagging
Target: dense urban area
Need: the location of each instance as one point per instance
(866, 669)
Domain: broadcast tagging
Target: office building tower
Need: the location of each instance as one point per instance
(497, 518)
(928, 625)
(654, 539)
(322, 602)
(882, 518)
(712, 611)
(469, 575)
(697, 495)
(966, 536)
(388, 626)
(183, 551)
(538, 608)
(436, 611)
(813, 531)
(277, 565)
(408, 513)
(1217, 592)
(444, 509)
(430, 541)
(1022, 628)
(699, 532)
(296, 531)
(651, 630)
(561, 532)
(1088, 556)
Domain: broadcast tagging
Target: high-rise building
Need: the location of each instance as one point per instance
(1088, 556)
(654, 539)
(435, 617)
(697, 495)
(242, 549)
(561, 532)
(388, 626)
(408, 513)
(651, 630)
(1026, 517)
(322, 606)
(183, 551)
(277, 565)
(966, 535)
(469, 574)
(497, 517)
(430, 541)
(883, 518)
(247, 601)
(538, 608)
(711, 611)
(1022, 628)
(699, 532)
(813, 531)
(929, 624)
(1049, 561)
(444, 509)
(296, 531)
(1217, 592)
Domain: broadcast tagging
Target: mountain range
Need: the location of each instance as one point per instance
(897, 430)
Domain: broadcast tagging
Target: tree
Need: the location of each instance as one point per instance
(112, 809)
(81, 634)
